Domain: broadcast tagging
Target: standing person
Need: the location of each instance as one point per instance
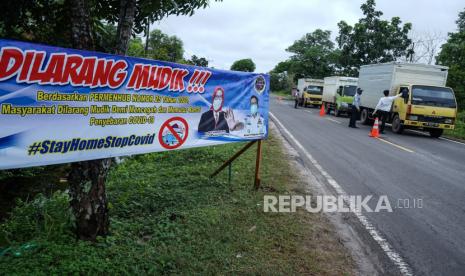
(355, 108)
(384, 107)
(296, 97)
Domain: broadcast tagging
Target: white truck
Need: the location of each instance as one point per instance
(338, 94)
(311, 91)
(426, 102)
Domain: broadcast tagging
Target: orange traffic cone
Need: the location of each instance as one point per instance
(375, 131)
(322, 110)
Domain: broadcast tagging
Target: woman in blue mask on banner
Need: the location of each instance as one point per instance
(254, 122)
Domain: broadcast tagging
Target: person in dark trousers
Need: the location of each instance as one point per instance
(383, 108)
(296, 97)
(355, 108)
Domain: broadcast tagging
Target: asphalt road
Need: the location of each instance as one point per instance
(409, 168)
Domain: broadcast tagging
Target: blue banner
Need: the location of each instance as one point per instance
(63, 105)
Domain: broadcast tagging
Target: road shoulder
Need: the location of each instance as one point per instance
(370, 259)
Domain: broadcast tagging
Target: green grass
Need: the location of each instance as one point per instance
(285, 94)
(459, 131)
(169, 217)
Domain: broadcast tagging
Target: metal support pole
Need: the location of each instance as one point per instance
(257, 165)
(229, 173)
(230, 160)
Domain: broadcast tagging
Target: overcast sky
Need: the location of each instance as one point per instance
(263, 29)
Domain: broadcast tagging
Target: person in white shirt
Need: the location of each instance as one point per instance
(297, 95)
(383, 108)
(254, 122)
(355, 108)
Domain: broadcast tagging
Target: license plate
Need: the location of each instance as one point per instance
(432, 124)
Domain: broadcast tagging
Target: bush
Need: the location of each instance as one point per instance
(26, 172)
(40, 219)
(169, 217)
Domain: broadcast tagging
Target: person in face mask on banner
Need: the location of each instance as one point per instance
(217, 120)
(254, 122)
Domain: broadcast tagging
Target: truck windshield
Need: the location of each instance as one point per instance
(349, 90)
(433, 96)
(318, 90)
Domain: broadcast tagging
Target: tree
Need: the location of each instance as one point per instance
(48, 21)
(282, 66)
(198, 61)
(136, 48)
(26, 20)
(280, 81)
(87, 179)
(245, 65)
(453, 55)
(313, 56)
(425, 46)
(372, 40)
(164, 47)
(133, 16)
(79, 23)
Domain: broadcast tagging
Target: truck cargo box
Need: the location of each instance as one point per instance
(303, 83)
(376, 78)
(331, 84)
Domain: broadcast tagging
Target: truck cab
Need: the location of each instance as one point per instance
(424, 101)
(338, 94)
(344, 98)
(313, 95)
(430, 108)
(311, 91)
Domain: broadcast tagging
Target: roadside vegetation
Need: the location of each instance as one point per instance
(286, 95)
(459, 131)
(169, 217)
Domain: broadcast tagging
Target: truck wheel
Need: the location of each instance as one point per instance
(435, 132)
(397, 126)
(364, 117)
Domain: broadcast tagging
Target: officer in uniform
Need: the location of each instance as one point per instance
(254, 122)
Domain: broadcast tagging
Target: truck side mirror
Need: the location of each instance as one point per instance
(339, 90)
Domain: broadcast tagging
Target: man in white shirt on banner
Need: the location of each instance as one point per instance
(254, 122)
(383, 108)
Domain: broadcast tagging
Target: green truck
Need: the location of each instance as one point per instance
(338, 94)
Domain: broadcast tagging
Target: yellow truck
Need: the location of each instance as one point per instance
(311, 91)
(426, 103)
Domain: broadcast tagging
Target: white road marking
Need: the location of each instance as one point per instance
(395, 145)
(387, 248)
(329, 119)
(333, 120)
(453, 141)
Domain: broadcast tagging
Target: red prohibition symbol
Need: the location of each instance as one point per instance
(173, 133)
